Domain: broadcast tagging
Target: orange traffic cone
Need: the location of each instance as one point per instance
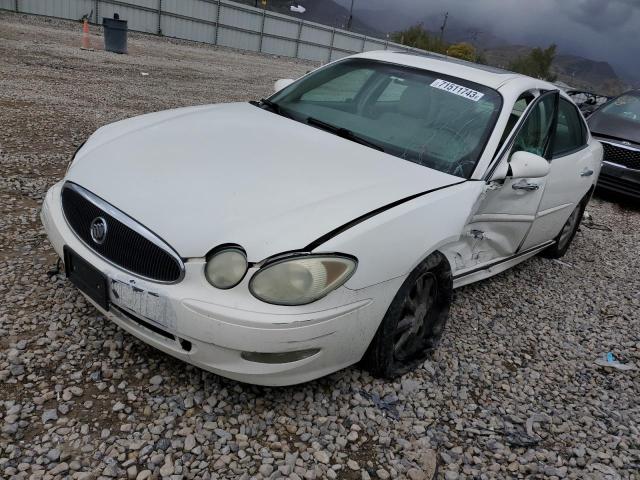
(85, 35)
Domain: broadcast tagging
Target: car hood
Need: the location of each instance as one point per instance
(613, 126)
(234, 173)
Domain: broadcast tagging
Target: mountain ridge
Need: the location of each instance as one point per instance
(577, 71)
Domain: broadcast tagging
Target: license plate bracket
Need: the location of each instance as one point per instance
(144, 304)
(86, 277)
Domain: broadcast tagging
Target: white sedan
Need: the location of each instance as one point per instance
(275, 242)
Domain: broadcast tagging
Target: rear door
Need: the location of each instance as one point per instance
(572, 168)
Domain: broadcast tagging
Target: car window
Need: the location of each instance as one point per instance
(393, 91)
(569, 134)
(534, 135)
(626, 106)
(516, 112)
(425, 117)
(340, 89)
(521, 105)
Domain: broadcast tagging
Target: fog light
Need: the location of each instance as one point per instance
(226, 268)
(281, 357)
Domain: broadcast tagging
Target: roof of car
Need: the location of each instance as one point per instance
(483, 74)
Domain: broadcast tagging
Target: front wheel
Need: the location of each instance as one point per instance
(415, 320)
(565, 237)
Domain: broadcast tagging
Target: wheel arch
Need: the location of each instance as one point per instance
(379, 358)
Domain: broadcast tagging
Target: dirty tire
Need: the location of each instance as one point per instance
(414, 322)
(569, 230)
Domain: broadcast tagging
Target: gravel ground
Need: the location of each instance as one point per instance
(513, 391)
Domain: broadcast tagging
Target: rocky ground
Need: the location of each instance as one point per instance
(512, 392)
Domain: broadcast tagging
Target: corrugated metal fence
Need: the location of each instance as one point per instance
(219, 22)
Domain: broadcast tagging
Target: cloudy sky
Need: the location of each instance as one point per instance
(597, 29)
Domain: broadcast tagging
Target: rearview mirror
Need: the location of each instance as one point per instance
(282, 83)
(528, 165)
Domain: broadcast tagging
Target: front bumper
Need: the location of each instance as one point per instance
(619, 179)
(211, 328)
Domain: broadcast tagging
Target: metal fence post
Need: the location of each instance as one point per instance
(17, 7)
(264, 16)
(364, 43)
(333, 36)
(159, 17)
(215, 39)
(97, 11)
(298, 38)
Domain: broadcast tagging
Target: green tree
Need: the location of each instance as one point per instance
(481, 58)
(463, 51)
(418, 37)
(536, 64)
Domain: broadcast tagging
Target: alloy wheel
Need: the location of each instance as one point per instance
(416, 324)
(569, 227)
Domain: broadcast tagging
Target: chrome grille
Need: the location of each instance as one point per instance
(127, 244)
(627, 157)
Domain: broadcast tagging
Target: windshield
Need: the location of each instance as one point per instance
(428, 118)
(626, 106)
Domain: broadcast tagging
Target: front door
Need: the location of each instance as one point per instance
(509, 207)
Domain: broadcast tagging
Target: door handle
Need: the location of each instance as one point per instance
(587, 172)
(529, 187)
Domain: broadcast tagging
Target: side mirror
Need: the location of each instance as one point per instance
(282, 83)
(528, 165)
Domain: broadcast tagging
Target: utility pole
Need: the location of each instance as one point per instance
(444, 25)
(350, 21)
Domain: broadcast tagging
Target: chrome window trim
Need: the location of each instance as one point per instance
(128, 222)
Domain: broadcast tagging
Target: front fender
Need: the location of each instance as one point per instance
(392, 243)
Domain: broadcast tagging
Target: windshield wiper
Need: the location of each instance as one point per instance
(344, 133)
(274, 107)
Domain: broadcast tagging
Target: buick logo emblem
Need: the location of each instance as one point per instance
(98, 230)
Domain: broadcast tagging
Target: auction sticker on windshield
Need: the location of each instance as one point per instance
(457, 89)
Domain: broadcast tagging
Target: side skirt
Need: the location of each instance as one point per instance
(480, 273)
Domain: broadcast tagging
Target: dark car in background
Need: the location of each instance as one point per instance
(617, 126)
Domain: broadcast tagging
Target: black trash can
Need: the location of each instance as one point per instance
(115, 34)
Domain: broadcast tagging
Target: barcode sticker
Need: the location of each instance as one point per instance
(457, 89)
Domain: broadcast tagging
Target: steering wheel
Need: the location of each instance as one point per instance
(455, 137)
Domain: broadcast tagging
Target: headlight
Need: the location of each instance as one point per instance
(226, 268)
(302, 279)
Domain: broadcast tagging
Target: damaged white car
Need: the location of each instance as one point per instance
(275, 242)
